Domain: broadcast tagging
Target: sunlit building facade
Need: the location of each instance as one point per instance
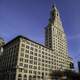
(2, 42)
(55, 39)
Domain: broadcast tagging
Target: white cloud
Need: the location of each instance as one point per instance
(77, 36)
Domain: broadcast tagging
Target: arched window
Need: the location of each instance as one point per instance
(25, 76)
(30, 77)
(19, 75)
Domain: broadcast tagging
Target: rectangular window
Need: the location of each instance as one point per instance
(27, 46)
(25, 65)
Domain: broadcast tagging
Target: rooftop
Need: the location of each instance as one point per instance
(20, 36)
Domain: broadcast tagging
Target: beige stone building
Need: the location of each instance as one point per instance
(56, 39)
(2, 42)
(24, 59)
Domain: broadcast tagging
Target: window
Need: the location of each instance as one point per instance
(30, 66)
(22, 54)
(31, 48)
(31, 57)
(30, 77)
(35, 54)
(36, 45)
(21, 64)
(19, 75)
(35, 58)
(35, 67)
(26, 65)
(21, 59)
(31, 52)
(39, 55)
(19, 78)
(27, 42)
(26, 60)
(22, 49)
(39, 59)
(42, 60)
(20, 70)
(42, 56)
(25, 71)
(30, 71)
(34, 72)
(25, 76)
(23, 45)
(32, 44)
(27, 56)
(27, 51)
(31, 61)
(35, 62)
(36, 50)
(42, 52)
(27, 46)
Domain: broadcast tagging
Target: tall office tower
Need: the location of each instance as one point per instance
(55, 38)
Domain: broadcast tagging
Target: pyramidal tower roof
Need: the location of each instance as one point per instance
(55, 19)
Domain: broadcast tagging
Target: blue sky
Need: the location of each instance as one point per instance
(29, 17)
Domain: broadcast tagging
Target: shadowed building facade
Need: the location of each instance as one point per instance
(79, 66)
(24, 59)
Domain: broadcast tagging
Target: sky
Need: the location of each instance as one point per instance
(29, 17)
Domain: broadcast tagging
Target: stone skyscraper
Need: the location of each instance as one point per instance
(55, 39)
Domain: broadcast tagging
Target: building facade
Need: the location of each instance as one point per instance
(79, 66)
(55, 39)
(2, 42)
(24, 59)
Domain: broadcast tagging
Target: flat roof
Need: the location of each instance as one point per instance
(20, 36)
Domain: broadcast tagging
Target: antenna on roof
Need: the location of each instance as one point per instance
(52, 3)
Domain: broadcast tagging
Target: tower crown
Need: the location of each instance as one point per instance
(55, 18)
(55, 38)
